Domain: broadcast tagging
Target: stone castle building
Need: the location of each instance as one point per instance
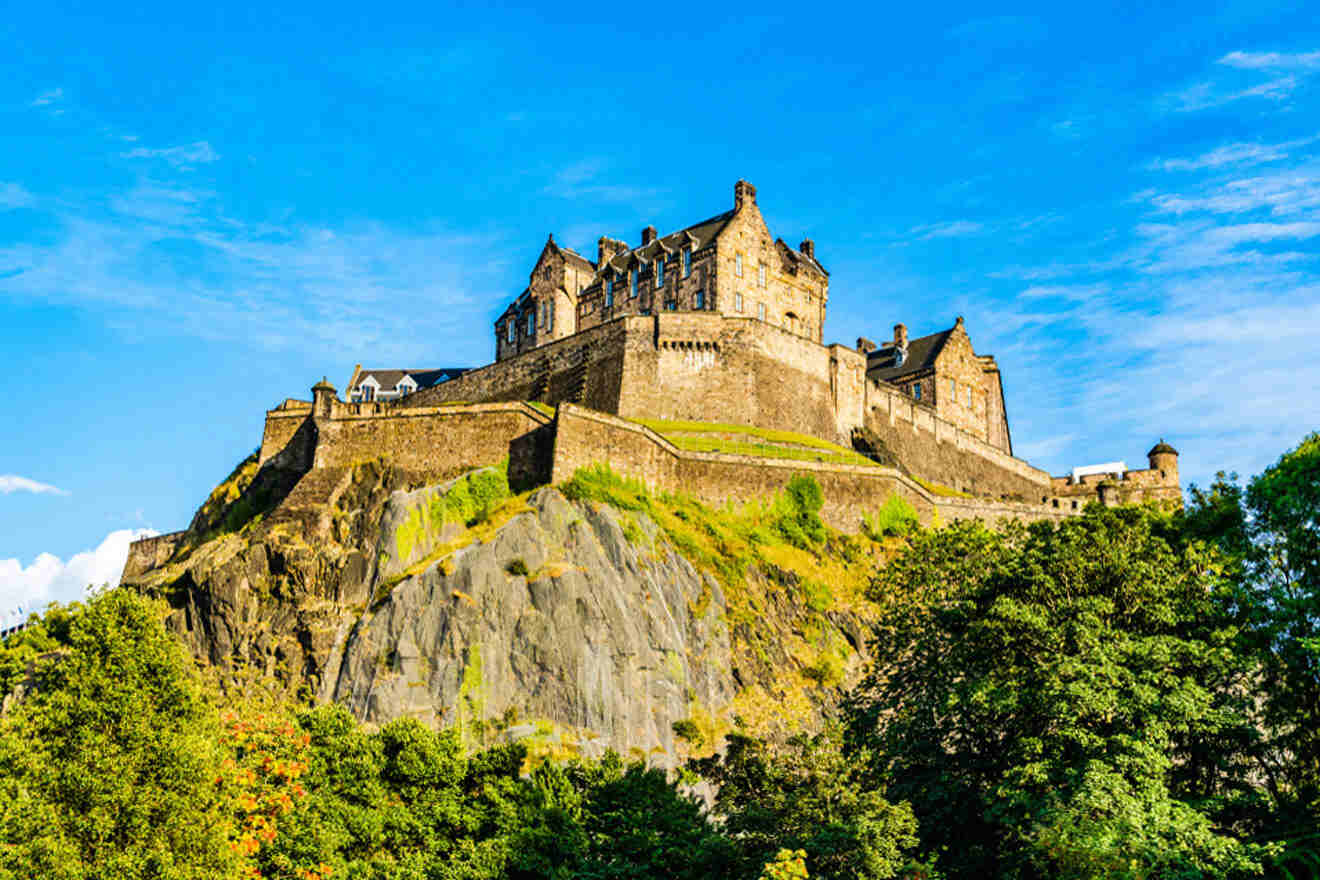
(719, 323)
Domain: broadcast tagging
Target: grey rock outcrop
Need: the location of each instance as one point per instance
(559, 618)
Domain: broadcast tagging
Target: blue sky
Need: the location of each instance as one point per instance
(205, 209)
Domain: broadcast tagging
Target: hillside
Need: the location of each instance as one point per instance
(583, 617)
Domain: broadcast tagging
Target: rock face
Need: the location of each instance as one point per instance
(559, 618)
(570, 622)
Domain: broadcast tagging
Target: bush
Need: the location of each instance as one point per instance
(517, 567)
(797, 512)
(896, 519)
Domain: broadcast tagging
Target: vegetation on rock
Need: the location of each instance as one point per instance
(1131, 693)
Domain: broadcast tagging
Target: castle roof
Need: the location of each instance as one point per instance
(698, 236)
(423, 378)
(1161, 447)
(885, 364)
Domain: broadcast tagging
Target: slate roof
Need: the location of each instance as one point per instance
(699, 235)
(882, 364)
(390, 379)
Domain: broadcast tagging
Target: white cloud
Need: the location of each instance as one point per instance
(949, 229)
(50, 579)
(581, 181)
(1230, 154)
(1272, 60)
(1206, 95)
(47, 97)
(14, 483)
(183, 156)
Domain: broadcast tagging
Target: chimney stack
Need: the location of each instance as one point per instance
(607, 247)
(864, 345)
(743, 192)
(900, 336)
(808, 248)
(648, 235)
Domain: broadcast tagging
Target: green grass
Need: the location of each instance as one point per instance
(543, 408)
(940, 489)
(706, 437)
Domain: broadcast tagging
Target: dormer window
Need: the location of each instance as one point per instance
(658, 269)
(687, 261)
(699, 301)
(899, 356)
(916, 391)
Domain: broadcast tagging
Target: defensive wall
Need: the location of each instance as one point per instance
(441, 441)
(709, 367)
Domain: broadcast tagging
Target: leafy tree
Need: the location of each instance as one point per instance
(1271, 530)
(809, 796)
(108, 770)
(1032, 690)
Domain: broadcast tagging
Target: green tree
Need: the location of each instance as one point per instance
(808, 795)
(1032, 690)
(108, 769)
(1271, 530)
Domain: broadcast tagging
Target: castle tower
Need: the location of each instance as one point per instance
(1164, 458)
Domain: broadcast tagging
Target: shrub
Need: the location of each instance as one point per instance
(896, 519)
(798, 512)
(517, 567)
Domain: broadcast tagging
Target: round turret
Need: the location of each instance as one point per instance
(323, 398)
(1164, 458)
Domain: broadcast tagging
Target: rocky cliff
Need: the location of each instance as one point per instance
(578, 623)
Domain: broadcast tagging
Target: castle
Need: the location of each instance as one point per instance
(696, 361)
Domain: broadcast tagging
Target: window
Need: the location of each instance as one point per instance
(737, 302)
(916, 391)
(687, 262)
(953, 391)
(699, 301)
(510, 328)
(671, 305)
(531, 324)
(609, 292)
(760, 274)
(760, 311)
(969, 396)
(549, 317)
(658, 270)
(368, 392)
(632, 283)
(737, 265)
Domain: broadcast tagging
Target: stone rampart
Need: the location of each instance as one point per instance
(584, 437)
(281, 424)
(146, 554)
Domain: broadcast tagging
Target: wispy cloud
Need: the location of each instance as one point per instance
(1306, 61)
(47, 98)
(1242, 155)
(948, 229)
(184, 156)
(10, 483)
(1205, 95)
(167, 254)
(582, 181)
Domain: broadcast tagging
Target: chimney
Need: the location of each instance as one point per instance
(743, 192)
(808, 248)
(607, 247)
(648, 235)
(864, 345)
(900, 336)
